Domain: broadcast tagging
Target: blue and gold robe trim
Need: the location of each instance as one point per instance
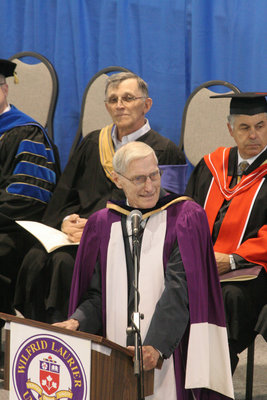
(29, 191)
(35, 171)
(35, 148)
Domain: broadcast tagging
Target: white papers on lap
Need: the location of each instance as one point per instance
(50, 238)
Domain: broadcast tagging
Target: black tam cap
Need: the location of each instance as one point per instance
(7, 68)
(249, 103)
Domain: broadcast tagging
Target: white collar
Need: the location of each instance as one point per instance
(129, 138)
(8, 108)
(249, 160)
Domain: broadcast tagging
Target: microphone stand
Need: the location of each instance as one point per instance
(136, 317)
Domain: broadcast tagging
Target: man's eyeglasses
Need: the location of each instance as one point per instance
(141, 179)
(124, 99)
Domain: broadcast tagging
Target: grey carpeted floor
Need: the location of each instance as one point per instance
(260, 375)
(260, 372)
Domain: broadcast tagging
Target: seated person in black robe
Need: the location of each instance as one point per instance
(29, 169)
(42, 291)
(234, 199)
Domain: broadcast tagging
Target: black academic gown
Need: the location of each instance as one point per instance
(16, 204)
(82, 189)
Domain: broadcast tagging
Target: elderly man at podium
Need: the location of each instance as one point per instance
(179, 293)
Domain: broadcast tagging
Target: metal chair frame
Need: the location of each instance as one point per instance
(79, 134)
(54, 94)
(205, 85)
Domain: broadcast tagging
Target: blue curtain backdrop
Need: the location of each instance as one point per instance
(175, 45)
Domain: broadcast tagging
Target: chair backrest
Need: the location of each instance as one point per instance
(204, 123)
(37, 89)
(93, 111)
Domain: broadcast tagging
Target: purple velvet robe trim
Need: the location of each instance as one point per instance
(94, 244)
(190, 226)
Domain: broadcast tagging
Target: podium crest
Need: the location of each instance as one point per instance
(46, 367)
(49, 375)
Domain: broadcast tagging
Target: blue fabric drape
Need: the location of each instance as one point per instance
(175, 45)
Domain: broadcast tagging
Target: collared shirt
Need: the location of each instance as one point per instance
(129, 138)
(6, 109)
(249, 160)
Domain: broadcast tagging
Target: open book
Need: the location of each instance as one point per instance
(50, 238)
(242, 274)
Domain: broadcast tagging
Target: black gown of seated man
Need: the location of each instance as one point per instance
(29, 170)
(243, 300)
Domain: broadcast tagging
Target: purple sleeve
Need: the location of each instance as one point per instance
(85, 261)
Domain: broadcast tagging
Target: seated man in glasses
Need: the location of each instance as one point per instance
(177, 280)
(85, 186)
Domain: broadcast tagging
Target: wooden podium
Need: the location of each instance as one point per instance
(112, 376)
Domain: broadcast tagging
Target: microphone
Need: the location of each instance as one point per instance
(136, 217)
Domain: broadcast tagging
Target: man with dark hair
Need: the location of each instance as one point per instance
(86, 184)
(178, 286)
(29, 169)
(231, 185)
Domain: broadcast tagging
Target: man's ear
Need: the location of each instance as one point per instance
(116, 179)
(5, 89)
(148, 104)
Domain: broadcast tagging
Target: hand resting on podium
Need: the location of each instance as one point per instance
(71, 324)
(151, 356)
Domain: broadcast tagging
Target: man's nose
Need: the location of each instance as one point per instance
(120, 102)
(252, 133)
(148, 183)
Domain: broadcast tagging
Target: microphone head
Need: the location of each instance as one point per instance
(135, 214)
(136, 217)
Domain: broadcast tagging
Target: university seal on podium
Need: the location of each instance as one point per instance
(47, 368)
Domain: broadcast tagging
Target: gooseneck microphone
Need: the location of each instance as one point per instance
(134, 328)
(136, 217)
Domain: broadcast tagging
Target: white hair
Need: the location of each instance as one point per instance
(130, 152)
(231, 119)
(116, 79)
